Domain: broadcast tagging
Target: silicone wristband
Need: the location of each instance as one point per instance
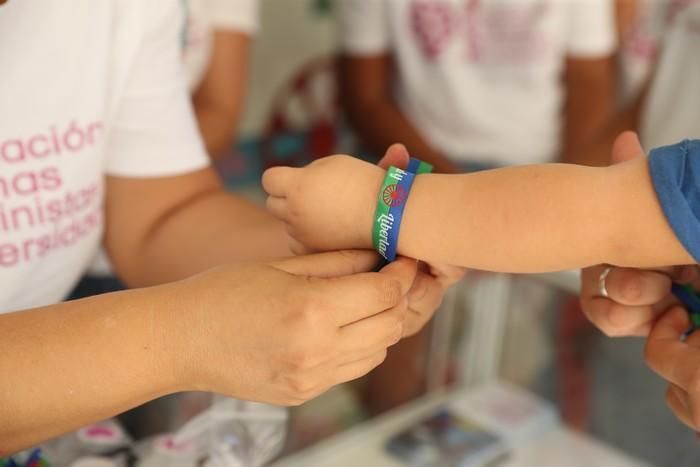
(419, 167)
(393, 196)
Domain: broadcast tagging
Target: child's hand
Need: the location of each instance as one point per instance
(328, 205)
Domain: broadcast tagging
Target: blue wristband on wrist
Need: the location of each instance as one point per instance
(395, 196)
(392, 202)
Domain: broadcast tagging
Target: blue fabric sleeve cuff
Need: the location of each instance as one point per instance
(675, 173)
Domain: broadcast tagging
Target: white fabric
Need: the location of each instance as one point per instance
(87, 91)
(672, 109)
(639, 50)
(481, 78)
(203, 18)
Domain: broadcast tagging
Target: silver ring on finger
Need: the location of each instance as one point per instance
(602, 282)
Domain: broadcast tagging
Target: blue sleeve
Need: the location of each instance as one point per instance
(675, 172)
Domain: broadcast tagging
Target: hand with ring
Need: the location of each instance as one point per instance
(626, 302)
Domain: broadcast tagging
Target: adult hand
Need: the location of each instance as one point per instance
(678, 363)
(432, 280)
(286, 331)
(635, 297)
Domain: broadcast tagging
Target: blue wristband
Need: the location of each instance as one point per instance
(396, 196)
(418, 167)
(392, 202)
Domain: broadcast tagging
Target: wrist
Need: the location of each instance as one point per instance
(416, 228)
(368, 206)
(177, 354)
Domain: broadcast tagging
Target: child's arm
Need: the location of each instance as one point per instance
(523, 219)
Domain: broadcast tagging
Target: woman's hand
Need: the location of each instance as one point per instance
(678, 363)
(284, 332)
(636, 297)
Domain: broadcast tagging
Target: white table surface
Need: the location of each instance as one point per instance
(547, 444)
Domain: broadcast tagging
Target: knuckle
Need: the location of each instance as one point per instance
(309, 315)
(630, 287)
(389, 291)
(617, 321)
(294, 402)
(300, 386)
(301, 360)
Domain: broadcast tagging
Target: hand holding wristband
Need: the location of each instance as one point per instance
(393, 196)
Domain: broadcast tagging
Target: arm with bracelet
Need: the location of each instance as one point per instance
(526, 219)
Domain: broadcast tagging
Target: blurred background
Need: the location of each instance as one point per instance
(526, 331)
(487, 83)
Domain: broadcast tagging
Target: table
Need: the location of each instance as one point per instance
(529, 426)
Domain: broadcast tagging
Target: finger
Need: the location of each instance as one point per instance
(360, 296)
(693, 340)
(627, 286)
(616, 320)
(672, 359)
(279, 180)
(397, 155)
(277, 207)
(318, 380)
(447, 275)
(354, 370)
(372, 334)
(404, 270)
(333, 376)
(675, 401)
(424, 299)
(626, 147)
(332, 264)
(297, 248)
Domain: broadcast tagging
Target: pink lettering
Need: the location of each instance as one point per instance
(9, 255)
(16, 218)
(73, 138)
(25, 183)
(55, 141)
(33, 151)
(12, 156)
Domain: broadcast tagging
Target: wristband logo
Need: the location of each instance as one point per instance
(394, 195)
(385, 223)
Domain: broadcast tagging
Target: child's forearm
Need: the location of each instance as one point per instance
(540, 218)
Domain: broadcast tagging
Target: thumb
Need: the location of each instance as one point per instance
(332, 264)
(403, 270)
(397, 155)
(626, 147)
(671, 326)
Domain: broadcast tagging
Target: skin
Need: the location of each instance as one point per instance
(640, 304)
(366, 91)
(151, 242)
(538, 211)
(218, 101)
(590, 96)
(325, 321)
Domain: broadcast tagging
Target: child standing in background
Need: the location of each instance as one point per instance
(473, 83)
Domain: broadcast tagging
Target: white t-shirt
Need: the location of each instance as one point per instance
(89, 90)
(641, 47)
(480, 79)
(672, 108)
(203, 18)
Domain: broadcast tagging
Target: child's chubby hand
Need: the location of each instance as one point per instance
(328, 205)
